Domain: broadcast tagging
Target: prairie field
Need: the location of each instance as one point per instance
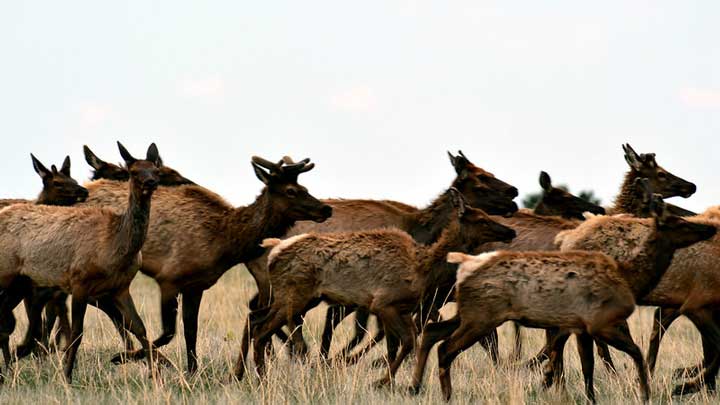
(475, 379)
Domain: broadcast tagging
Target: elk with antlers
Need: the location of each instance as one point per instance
(195, 237)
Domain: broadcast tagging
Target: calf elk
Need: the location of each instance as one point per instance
(481, 188)
(588, 293)
(91, 253)
(383, 271)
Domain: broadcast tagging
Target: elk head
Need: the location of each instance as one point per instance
(286, 195)
(661, 181)
(109, 171)
(58, 187)
(481, 188)
(144, 174)
(556, 201)
(103, 169)
(673, 231)
(476, 226)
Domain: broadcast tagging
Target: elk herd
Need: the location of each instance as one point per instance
(568, 266)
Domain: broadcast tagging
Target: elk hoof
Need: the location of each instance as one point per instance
(413, 390)
(124, 357)
(687, 388)
(687, 372)
(382, 383)
(23, 351)
(380, 362)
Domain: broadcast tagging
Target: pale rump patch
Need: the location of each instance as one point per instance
(281, 245)
(560, 237)
(468, 264)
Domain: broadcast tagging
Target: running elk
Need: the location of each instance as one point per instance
(384, 271)
(195, 237)
(481, 188)
(90, 253)
(587, 293)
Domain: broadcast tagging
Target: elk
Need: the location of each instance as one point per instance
(54, 300)
(90, 253)
(581, 292)
(110, 171)
(626, 239)
(558, 202)
(59, 188)
(384, 271)
(195, 237)
(481, 188)
(630, 201)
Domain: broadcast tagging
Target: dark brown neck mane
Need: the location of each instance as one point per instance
(426, 225)
(246, 227)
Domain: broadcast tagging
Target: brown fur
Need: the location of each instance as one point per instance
(689, 284)
(383, 271)
(89, 252)
(579, 291)
(195, 236)
(479, 187)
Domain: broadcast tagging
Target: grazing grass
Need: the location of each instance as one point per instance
(475, 379)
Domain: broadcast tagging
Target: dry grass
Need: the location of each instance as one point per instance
(474, 378)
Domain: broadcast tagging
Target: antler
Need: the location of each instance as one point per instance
(266, 163)
(291, 167)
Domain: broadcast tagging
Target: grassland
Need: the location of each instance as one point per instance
(475, 379)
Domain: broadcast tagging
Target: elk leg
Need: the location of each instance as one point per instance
(298, 347)
(555, 367)
(544, 353)
(333, 317)
(132, 322)
(79, 305)
(401, 328)
(262, 333)
(251, 323)
(109, 306)
(662, 318)
(618, 336)
(9, 299)
(490, 343)
(168, 311)
(379, 336)
(361, 329)
(604, 353)
(461, 339)
(64, 329)
(587, 360)
(710, 330)
(432, 334)
(34, 304)
(191, 308)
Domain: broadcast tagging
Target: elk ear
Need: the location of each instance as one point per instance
(153, 155)
(632, 158)
(40, 168)
(127, 157)
(91, 159)
(458, 201)
(65, 169)
(545, 181)
(261, 174)
(460, 163)
(160, 161)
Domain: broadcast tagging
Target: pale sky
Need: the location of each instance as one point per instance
(374, 92)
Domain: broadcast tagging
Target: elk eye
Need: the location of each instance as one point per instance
(662, 176)
(291, 192)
